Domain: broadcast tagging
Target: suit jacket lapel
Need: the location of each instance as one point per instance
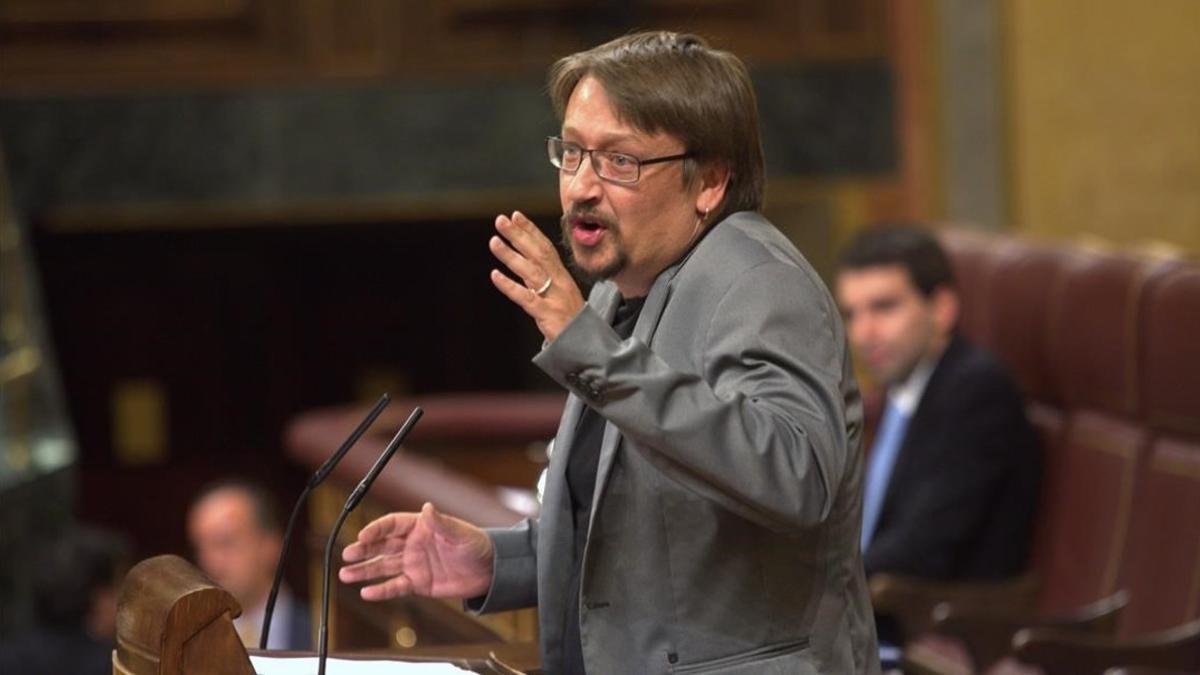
(643, 331)
(555, 502)
(603, 300)
(606, 303)
(914, 447)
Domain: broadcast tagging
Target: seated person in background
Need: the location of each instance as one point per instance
(952, 478)
(75, 581)
(234, 529)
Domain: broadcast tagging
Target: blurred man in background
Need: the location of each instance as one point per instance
(952, 478)
(234, 528)
(75, 579)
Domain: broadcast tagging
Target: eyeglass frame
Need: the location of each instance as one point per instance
(556, 161)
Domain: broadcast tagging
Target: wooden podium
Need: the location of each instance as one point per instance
(173, 620)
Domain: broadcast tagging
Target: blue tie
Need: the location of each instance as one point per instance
(879, 471)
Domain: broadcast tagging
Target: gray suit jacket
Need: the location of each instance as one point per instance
(725, 522)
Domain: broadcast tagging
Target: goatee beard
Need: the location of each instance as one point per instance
(620, 260)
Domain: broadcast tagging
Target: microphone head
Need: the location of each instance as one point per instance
(358, 493)
(325, 469)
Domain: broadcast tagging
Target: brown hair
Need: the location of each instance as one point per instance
(909, 245)
(676, 83)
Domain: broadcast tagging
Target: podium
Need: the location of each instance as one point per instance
(173, 620)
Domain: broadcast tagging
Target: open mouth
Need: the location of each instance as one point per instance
(587, 230)
(588, 225)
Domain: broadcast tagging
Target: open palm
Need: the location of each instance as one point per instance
(426, 553)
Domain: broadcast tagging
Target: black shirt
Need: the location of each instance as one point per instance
(582, 465)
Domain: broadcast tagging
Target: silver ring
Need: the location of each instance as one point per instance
(543, 288)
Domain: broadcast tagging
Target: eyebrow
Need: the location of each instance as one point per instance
(607, 138)
(885, 302)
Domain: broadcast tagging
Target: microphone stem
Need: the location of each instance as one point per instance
(351, 502)
(287, 539)
(323, 646)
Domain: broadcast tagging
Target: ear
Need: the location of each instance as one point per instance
(945, 308)
(713, 181)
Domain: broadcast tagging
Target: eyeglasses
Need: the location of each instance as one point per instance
(616, 167)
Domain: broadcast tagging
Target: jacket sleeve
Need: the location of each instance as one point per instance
(759, 427)
(514, 580)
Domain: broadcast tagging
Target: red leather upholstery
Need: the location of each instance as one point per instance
(1018, 301)
(1162, 567)
(1085, 513)
(1107, 347)
(1092, 332)
(1171, 352)
(971, 255)
(1092, 354)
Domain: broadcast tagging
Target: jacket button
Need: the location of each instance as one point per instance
(672, 658)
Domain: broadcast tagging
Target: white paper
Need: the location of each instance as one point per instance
(307, 665)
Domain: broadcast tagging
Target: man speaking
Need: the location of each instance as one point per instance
(703, 500)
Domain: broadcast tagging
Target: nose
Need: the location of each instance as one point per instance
(583, 186)
(860, 330)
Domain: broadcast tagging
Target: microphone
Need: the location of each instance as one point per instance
(351, 502)
(317, 478)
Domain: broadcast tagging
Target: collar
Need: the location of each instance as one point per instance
(907, 395)
(253, 616)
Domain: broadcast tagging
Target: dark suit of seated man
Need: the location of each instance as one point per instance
(952, 480)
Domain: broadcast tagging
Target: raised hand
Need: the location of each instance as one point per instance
(424, 553)
(549, 293)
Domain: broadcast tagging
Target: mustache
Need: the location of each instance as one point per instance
(577, 211)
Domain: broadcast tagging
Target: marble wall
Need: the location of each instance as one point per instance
(337, 141)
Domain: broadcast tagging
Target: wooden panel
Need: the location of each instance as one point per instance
(51, 14)
(90, 45)
(102, 45)
(760, 31)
